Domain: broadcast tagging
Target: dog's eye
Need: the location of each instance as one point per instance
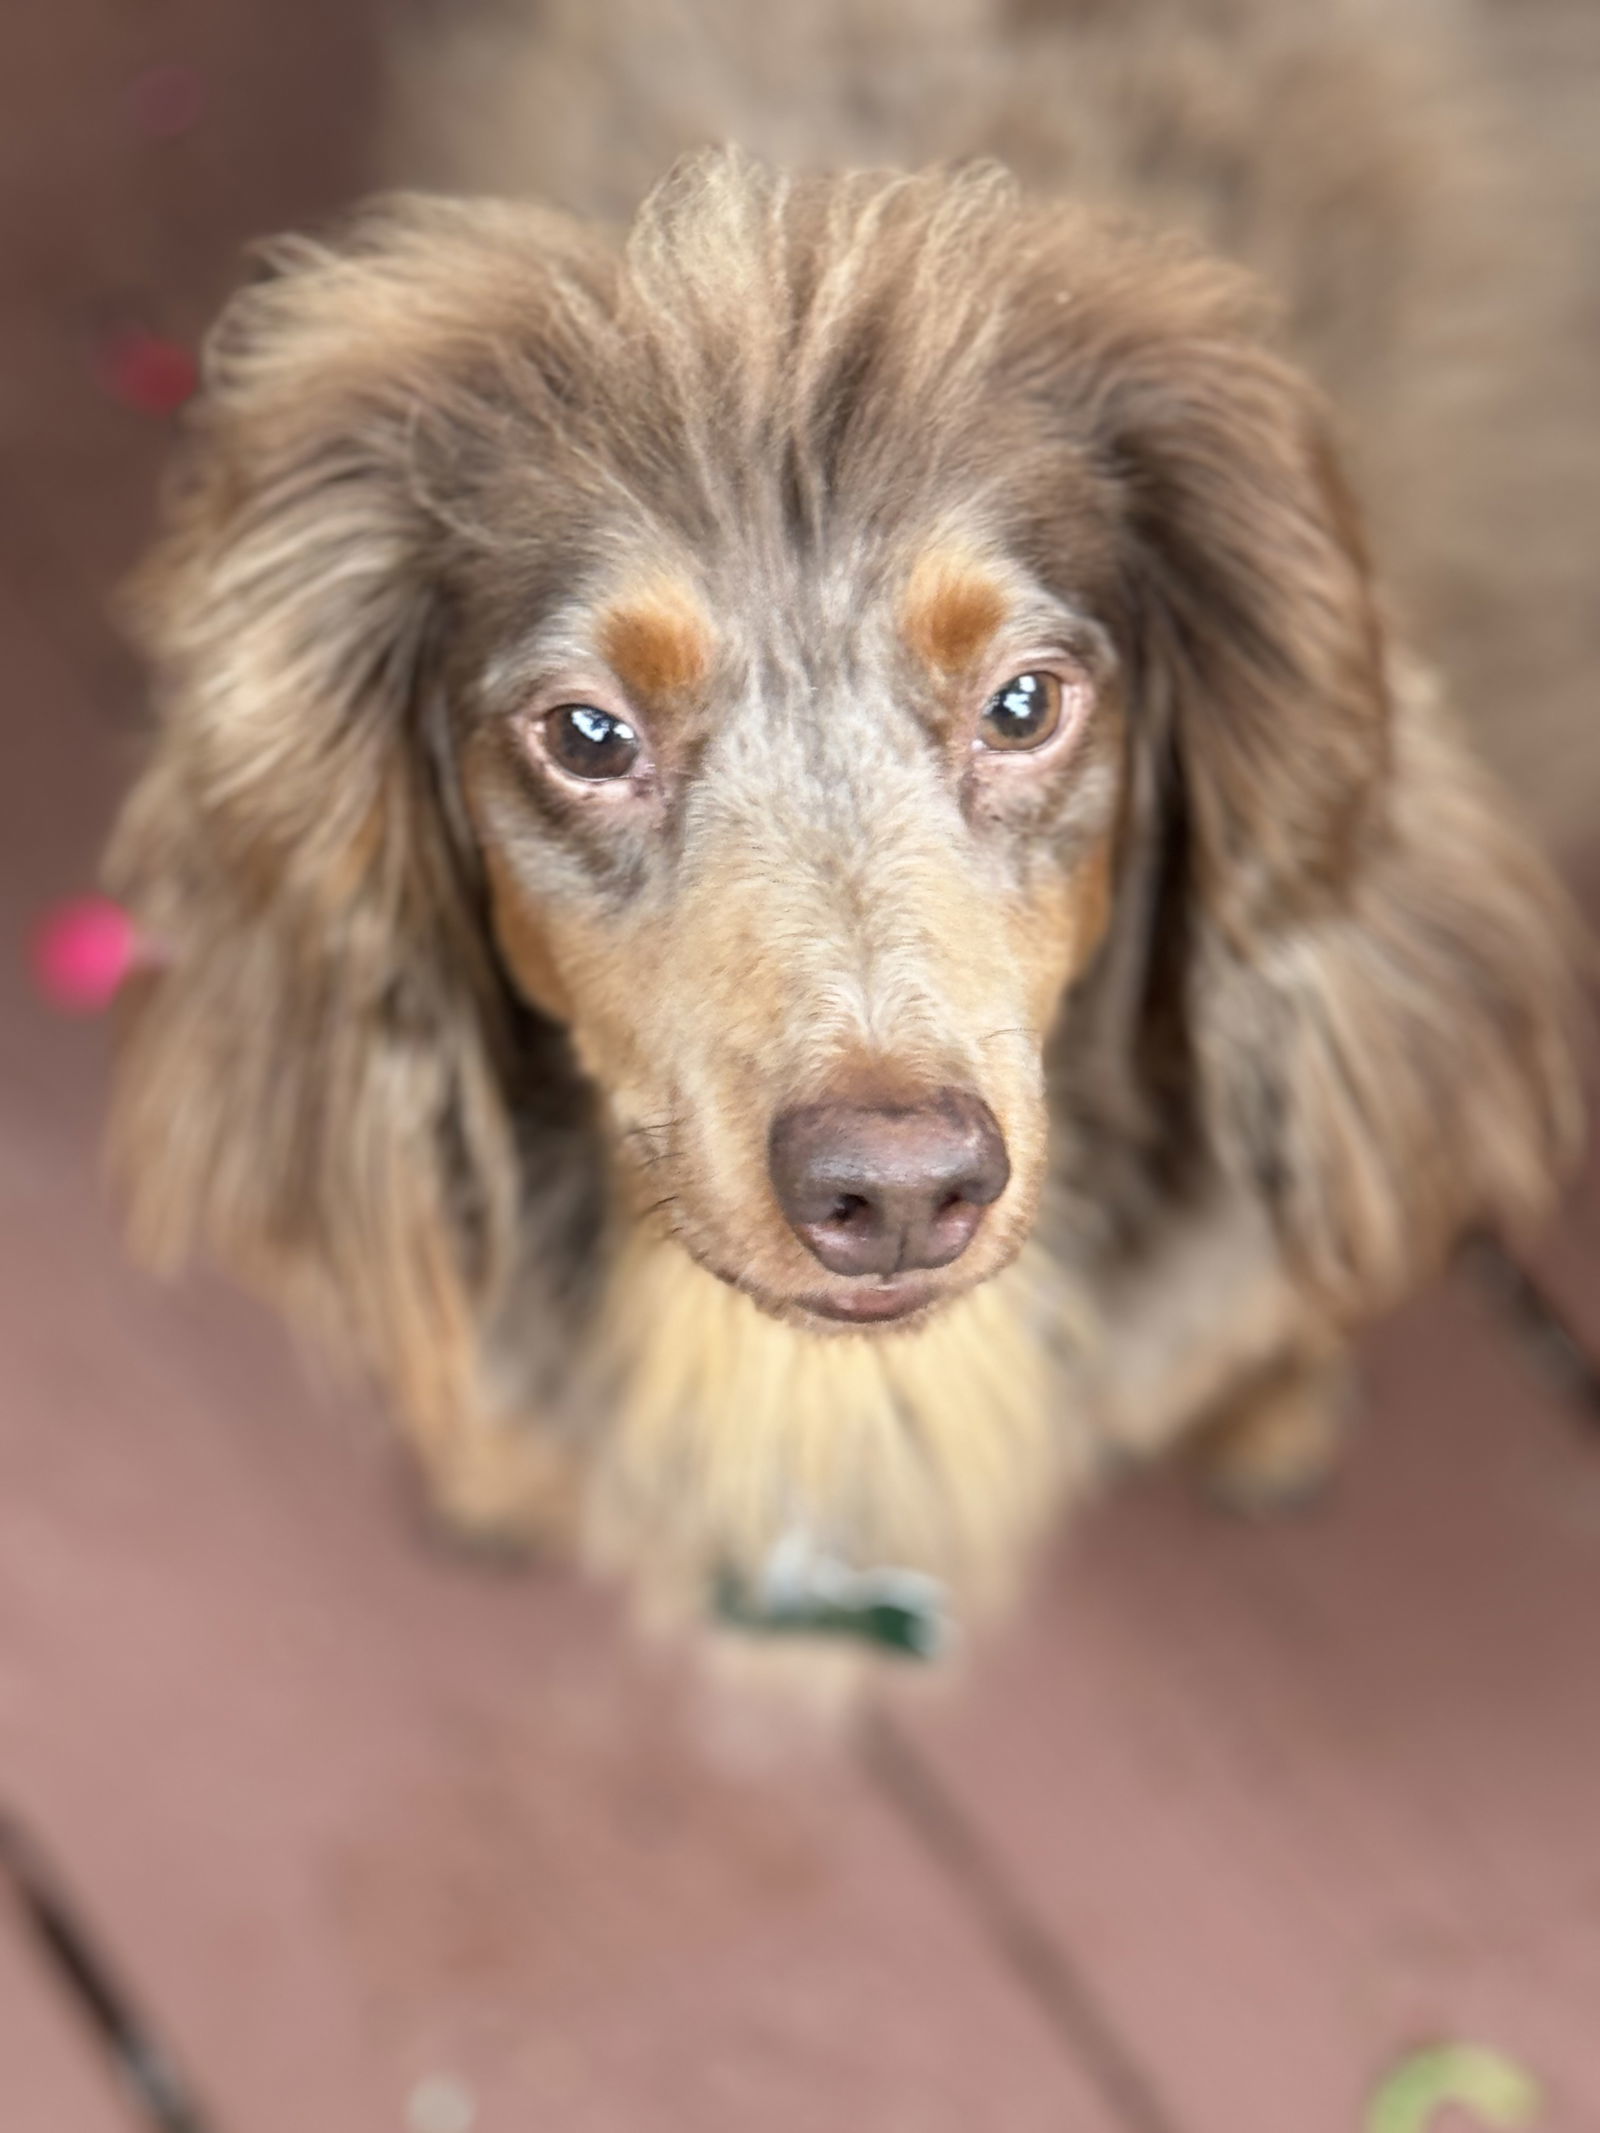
(590, 743)
(1023, 714)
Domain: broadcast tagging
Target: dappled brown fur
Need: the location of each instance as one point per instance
(472, 1062)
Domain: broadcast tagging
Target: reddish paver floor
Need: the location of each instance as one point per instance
(1232, 1819)
(48, 2079)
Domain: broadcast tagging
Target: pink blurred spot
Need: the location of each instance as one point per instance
(144, 371)
(82, 951)
(167, 99)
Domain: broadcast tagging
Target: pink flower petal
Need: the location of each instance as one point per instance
(82, 951)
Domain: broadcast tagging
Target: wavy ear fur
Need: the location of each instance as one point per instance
(312, 1082)
(1379, 991)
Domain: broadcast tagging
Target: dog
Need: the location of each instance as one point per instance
(807, 883)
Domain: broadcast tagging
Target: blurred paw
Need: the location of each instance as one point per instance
(502, 1497)
(1280, 1446)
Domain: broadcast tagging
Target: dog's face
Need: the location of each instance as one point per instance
(803, 846)
(787, 652)
(790, 720)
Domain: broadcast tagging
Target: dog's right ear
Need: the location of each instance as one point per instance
(1379, 991)
(311, 1076)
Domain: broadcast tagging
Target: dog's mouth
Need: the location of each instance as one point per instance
(879, 1303)
(873, 1304)
(894, 1301)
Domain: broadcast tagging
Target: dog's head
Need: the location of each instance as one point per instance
(780, 652)
(797, 781)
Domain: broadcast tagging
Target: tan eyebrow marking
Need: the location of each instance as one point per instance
(658, 644)
(952, 610)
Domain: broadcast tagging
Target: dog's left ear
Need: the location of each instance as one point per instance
(1378, 991)
(313, 1076)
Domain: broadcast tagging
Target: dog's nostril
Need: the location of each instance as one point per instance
(885, 1190)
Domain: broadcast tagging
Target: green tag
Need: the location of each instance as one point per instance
(803, 1592)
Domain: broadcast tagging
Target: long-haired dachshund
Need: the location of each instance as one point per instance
(803, 884)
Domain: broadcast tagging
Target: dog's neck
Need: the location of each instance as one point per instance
(941, 1449)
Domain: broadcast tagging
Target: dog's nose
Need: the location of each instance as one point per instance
(880, 1189)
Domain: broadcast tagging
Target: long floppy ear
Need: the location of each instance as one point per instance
(311, 1081)
(1379, 989)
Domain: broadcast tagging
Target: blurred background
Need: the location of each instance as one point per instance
(304, 1825)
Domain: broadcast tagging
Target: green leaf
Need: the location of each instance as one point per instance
(1482, 2082)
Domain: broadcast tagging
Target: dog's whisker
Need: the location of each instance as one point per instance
(652, 1130)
